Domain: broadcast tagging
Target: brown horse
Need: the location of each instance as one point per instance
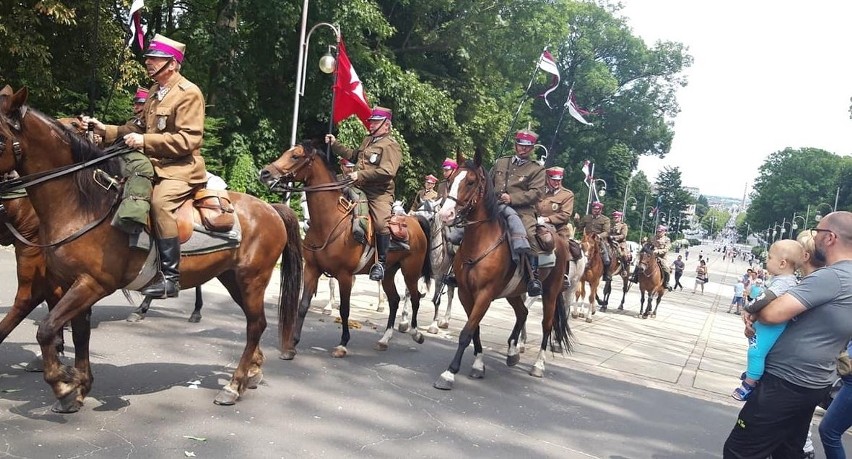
(650, 280)
(591, 275)
(615, 269)
(89, 259)
(330, 246)
(485, 271)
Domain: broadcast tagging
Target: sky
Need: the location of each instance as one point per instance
(767, 75)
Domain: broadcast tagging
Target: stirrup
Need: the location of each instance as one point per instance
(377, 272)
(534, 288)
(161, 288)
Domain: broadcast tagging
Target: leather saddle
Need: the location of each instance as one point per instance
(209, 208)
(362, 225)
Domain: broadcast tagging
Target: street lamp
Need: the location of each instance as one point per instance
(327, 64)
(632, 206)
(795, 226)
(626, 191)
(818, 215)
(642, 225)
(593, 190)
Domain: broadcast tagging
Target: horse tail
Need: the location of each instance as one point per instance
(290, 272)
(561, 329)
(426, 271)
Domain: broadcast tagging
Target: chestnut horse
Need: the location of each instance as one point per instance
(331, 248)
(650, 280)
(89, 259)
(615, 269)
(485, 271)
(591, 275)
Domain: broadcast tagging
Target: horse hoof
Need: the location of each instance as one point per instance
(194, 318)
(380, 308)
(67, 404)
(476, 373)
(582, 314)
(588, 320)
(443, 383)
(288, 355)
(339, 352)
(432, 329)
(512, 360)
(135, 317)
(403, 327)
(653, 316)
(444, 324)
(521, 348)
(418, 338)
(226, 397)
(557, 349)
(36, 365)
(537, 372)
(254, 381)
(602, 309)
(381, 346)
(574, 315)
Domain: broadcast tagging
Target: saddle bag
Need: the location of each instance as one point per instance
(574, 250)
(399, 228)
(544, 236)
(215, 209)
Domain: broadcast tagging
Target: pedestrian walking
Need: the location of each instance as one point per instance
(678, 267)
(700, 276)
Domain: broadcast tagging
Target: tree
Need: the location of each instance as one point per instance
(675, 200)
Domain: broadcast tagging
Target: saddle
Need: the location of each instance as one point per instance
(362, 223)
(544, 236)
(209, 208)
(575, 251)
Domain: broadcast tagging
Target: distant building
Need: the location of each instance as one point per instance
(695, 192)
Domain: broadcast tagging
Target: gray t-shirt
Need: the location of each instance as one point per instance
(806, 352)
(781, 283)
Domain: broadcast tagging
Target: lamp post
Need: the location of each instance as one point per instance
(593, 190)
(632, 206)
(795, 226)
(818, 215)
(626, 191)
(328, 64)
(642, 225)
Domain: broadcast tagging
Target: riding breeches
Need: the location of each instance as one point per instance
(380, 210)
(167, 197)
(605, 254)
(519, 229)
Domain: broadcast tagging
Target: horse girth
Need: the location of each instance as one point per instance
(334, 233)
(471, 262)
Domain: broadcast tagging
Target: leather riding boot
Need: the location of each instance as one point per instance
(666, 281)
(635, 276)
(168, 285)
(377, 272)
(607, 276)
(534, 287)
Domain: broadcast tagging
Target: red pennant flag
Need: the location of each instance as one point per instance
(134, 21)
(548, 65)
(349, 96)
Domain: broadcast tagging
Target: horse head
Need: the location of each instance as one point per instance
(296, 165)
(468, 186)
(12, 111)
(646, 257)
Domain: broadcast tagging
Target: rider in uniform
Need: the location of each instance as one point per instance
(596, 223)
(448, 167)
(377, 159)
(662, 245)
(428, 192)
(618, 237)
(519, 183)
(557, 205)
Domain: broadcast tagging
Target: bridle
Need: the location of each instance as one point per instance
(284, 182)
(462, 211)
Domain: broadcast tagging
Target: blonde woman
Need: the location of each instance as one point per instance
(700, 276)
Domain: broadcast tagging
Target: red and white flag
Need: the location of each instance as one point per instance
(349, 96)
(548, 65)
(134, 22)
(586, 170)
(575, 111)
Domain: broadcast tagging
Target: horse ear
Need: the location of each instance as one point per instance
(459, 156)
(478, 155)
(19, 98)
(6, 91)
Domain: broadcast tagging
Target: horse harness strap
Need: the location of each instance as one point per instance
(85, 229)
(488, 251)
(331, 233)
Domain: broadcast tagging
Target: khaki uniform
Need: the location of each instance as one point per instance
(376, 161)
(172, 126)
(525, 184)
(662, 245)
(618, 236)
(558, 206)
(423, 195)
(596, 225)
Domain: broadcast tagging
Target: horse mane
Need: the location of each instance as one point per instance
(93, 198)
(490, 201)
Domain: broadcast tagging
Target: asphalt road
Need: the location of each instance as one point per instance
(155, 382)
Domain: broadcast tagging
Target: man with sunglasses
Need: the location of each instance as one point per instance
(801, 366)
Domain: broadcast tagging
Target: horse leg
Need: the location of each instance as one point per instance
(69, 384)
(624, 288)
(404, 321)
(445, 323)
(521, 312)
(248, 294)
(195, 317)
(470, 332)
(138, 314)
(593, 294)
(606, 292)
(330, 305)
(309, 288)
(477, 369)
(344, 281)
(411, 277)
(659, 297)
(641, 302)
(380, 306)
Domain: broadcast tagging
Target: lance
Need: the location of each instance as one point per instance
(521, 104)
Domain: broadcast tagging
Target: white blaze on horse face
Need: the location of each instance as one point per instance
(448, 210)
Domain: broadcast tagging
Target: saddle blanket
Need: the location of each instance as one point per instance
(202, 240)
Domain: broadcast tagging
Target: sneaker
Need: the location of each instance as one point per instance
(741, 393)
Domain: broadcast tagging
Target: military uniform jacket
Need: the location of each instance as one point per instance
(558, 206)
(423, 195)
(376, 161)
(662, 244)
(618, 232)
(596, 225)
(172, 129)
(523, 183)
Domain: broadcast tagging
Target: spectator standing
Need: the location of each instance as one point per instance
(838, 418)
(801, 366)
(737, 301)
(678, 266)
(700, 276)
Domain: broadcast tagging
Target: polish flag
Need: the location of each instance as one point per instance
(134, 22)
(586, 170)
(575, 111)
(548, 65)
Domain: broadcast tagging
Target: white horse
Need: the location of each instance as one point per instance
(441, 254)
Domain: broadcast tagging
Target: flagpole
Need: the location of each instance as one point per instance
(590, 185)
(299, 64)
(333, 91)
(521, 104)
(556, 132)
(93, 83)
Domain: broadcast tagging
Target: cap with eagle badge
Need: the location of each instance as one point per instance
(161, 46)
